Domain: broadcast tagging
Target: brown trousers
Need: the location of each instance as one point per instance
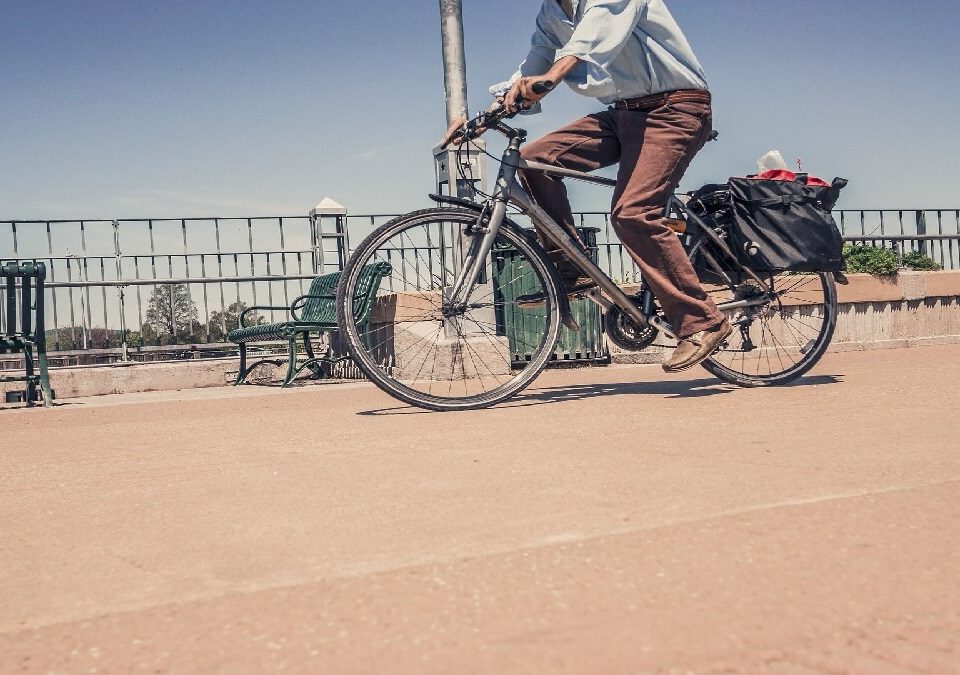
(654, 147)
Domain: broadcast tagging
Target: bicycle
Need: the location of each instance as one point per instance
(436, 337)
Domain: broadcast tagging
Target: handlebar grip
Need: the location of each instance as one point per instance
(543, 87)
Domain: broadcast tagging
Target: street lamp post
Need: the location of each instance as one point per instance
(458, 173)
(449, 174)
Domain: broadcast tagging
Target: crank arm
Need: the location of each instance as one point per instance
(598, 298)
(739, 304)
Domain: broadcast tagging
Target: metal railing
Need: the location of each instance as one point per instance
(149, 285)
(143, 289)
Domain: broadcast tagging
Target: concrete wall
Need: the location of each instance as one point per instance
(914, 308)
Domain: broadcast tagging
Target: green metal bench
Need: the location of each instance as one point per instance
(29, 338)
(314, 312)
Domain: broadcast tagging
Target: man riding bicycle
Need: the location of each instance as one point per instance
(632, 56)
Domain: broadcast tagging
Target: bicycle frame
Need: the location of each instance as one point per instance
(608, 294)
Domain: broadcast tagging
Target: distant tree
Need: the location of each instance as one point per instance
(67, 338)
(230, 318)
(171, 315)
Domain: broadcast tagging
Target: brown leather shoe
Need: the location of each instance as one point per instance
(692, 350)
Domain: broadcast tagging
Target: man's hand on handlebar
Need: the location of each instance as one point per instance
(462, 129)
(454, 135)
(527, 92)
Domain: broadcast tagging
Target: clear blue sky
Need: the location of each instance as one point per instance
(132, 108)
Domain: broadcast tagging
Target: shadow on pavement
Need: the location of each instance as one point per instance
(679, 389)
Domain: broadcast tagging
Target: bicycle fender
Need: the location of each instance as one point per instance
(458, 201)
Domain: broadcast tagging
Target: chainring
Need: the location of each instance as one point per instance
(625, 333)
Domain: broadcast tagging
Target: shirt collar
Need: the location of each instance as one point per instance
(574, 5)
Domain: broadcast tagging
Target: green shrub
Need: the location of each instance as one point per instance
(915, 260)
(870, 259)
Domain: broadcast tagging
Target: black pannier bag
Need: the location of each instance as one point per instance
(712, 202)
(786, 226)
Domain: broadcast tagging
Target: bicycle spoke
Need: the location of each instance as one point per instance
(422, 339)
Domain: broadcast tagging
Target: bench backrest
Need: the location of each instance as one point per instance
(27, 323)
(320, 307)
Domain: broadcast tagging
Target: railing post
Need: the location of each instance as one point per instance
(328, 208)
(124, 348)
(922, 231)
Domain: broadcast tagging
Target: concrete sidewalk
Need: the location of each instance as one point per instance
(606, 520)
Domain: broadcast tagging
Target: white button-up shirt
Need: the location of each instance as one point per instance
(627, 49)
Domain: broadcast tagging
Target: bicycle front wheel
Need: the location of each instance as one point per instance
(775, 342)
(412, 342)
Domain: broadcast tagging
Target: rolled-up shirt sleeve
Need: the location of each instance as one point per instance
(543, 48)
(603, 30)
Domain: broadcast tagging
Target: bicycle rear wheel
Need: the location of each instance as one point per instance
(776, 342)
(416, 346)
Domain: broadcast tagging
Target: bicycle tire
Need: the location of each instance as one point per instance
(810, 305)
(369, 345)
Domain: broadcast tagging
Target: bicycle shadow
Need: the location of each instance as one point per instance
(668, 389)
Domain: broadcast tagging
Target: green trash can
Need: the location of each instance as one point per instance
(525, 326)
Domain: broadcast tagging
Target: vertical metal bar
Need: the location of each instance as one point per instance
(283, 263)
(11, 303)
(25, 302)
(117, 252)
(343, 241)
(430, 255)
(921, 220)
(268, 255)
(236, 269)
(314, 243)
(253, 268)
(940, 231)
(956, 228)
(153, 269)
(206, 304)
(53, 291)
(186, 269)
(85, 317)
(173, 302)
(103, 293)
(223, 297)
(73, 317)
(140, 322)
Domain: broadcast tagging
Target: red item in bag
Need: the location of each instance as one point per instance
(790, 176)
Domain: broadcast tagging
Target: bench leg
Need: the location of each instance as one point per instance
(44, 376)
(241, 374)
(312, 362)
(292, 361)
(31, 377)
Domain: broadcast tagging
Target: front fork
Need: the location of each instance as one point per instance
(488, 227)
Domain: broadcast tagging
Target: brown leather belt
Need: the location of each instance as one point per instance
(656, 100)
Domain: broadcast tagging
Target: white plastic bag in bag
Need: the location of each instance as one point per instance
(771, 161)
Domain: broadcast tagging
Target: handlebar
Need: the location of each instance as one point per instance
(491, 119)
(543, 87)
